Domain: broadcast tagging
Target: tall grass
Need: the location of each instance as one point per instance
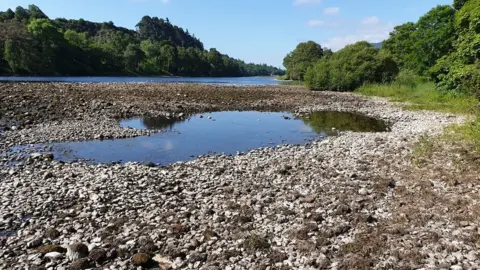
(422, 96)
(419, 94)
(292, 83)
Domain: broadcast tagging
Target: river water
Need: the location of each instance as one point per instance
(200, 80)
(225, 132)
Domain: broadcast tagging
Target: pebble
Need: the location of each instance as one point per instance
(192, 216)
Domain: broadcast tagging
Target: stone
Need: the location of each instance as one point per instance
(35, 243)
(47, 175)
(141, 259)
(51, 248)
(163, 262)
(98, 255)
(52, 233)
(77, 251)
(54, 256)
(80, 264)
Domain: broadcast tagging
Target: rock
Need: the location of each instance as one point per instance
(80, 264)
(163, 262)
(52, 233)
(51, 248)
(308, 199)
(77, 251)
(363, 191)
(47, 175)
(54, 256)
(98, 256)
(141, 259)
(35, 243)
(178, 263)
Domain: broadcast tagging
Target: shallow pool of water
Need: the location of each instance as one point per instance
(214, 133)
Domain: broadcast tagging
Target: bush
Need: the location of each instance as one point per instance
(460, 70)
(408, 78)
(350, 68)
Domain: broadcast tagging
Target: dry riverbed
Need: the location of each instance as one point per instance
(358, 200)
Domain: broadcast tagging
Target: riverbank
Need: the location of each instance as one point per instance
(346, 202)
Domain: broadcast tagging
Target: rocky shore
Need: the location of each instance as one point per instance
(347, 202)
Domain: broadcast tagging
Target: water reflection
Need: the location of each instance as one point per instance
(218, 132)
(330, 122)
(160, 122)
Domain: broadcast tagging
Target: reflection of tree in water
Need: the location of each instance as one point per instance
(343, 121)
(160, 122)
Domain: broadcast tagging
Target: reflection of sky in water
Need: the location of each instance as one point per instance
(224, 132)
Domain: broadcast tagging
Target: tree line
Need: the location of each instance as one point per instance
(443, 46)
(33, 44)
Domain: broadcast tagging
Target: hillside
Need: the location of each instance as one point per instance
(33, 44)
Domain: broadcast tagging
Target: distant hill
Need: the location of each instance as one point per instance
(33, 44)
(377, 45)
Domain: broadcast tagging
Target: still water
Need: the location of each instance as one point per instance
(213, 133)
(200, 80)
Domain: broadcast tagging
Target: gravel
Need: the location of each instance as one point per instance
(284, 207)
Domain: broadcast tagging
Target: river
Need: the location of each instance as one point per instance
(200, 80)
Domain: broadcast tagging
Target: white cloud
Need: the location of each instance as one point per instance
(332, 10)
(371, 20)
(374, 31)
(306, 2)
(315, 23)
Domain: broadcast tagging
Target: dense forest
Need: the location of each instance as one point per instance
(442, 46)
(33, 44)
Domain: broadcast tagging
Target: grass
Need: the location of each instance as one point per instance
(422, 96)
(292, 83)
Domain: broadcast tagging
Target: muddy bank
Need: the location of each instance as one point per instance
(290, 207)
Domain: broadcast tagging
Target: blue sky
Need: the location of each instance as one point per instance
(260, 31)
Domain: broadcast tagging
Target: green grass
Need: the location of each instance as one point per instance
(292, 83)
(422, 96)
(467, 134)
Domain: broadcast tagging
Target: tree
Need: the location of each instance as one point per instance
(299, 60)
(350, 68)
(36, 13)
(460, 70)
(7, 15)
(76, 39)
(31, 43)
(22, 15)
(458, 4)
(417, 46)
(133, 56)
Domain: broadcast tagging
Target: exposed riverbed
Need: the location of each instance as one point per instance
(294, 206)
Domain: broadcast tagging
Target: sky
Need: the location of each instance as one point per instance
(259, 31)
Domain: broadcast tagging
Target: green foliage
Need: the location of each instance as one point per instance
(299, 60)
(417, 46)
(423, 96)
(350, 68)
(76, 39)
(133, 56)
(30, 43)
(460, 70)
(469, 133)
(408, 78)
(458, 4)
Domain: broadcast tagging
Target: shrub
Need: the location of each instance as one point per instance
(408, 78)
(350, 68)
(460, 70)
